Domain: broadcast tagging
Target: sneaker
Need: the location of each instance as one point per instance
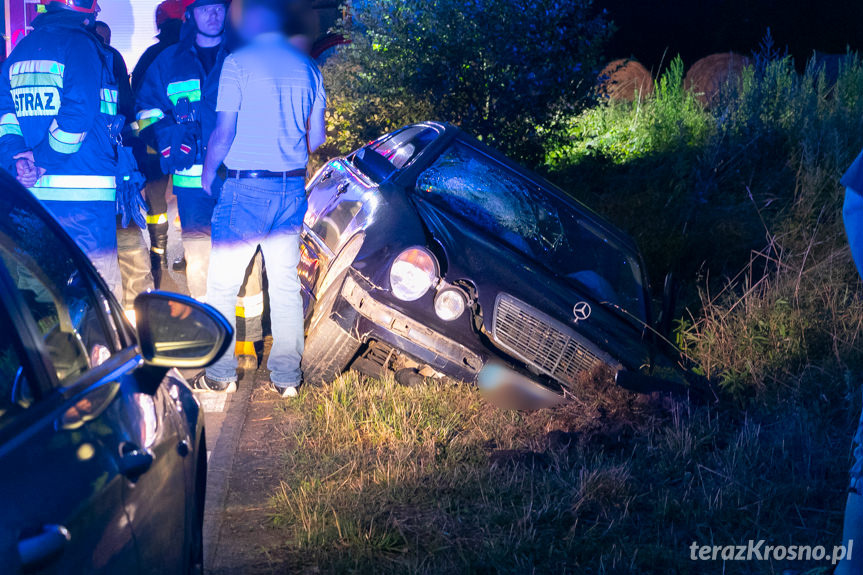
(203, 383)
(283, 391)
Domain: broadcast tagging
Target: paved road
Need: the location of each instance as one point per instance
(224, 414)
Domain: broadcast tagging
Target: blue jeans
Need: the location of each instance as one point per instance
(269, 213)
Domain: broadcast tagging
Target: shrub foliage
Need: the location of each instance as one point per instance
(498, 68)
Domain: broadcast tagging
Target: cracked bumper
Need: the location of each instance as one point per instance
(360, 314)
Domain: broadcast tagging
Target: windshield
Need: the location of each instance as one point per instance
(528, 219)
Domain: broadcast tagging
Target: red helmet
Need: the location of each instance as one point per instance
(198, 3)
(85, 6)
(170, 10)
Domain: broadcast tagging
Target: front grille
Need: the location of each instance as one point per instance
(541, 341)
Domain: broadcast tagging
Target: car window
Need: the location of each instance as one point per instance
(521, 214)
(58, 294)
(403, 146)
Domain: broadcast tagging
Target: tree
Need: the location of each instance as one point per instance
(501, 69)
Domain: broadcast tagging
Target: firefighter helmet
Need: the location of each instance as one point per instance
(169, 10)
(84, 6)
(192, 4)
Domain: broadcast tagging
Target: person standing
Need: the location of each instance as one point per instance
(59, 128)
(169, 20)
(135, 271)
(176, 104)
(177, 109)
(270, 117)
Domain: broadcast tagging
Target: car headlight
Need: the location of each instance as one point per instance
(449, 304)
(413, 274)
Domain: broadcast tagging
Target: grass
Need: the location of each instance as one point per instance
(431, 479)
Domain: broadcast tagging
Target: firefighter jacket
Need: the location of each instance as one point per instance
(177, 95)
(58, 98)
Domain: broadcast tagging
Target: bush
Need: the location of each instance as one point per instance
(753, 184)
(498, 68)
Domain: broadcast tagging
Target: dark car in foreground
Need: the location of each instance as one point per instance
(102, 450)
(428, 253)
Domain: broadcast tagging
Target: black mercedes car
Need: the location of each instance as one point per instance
(429, 254)
(103, 460)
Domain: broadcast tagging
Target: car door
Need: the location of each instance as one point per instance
(61, 464)
(94, 455)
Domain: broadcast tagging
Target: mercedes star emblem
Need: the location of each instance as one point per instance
(581, 310)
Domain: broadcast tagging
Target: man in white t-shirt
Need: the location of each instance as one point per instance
(270, 117)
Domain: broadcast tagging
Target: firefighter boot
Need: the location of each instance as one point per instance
(158, 251)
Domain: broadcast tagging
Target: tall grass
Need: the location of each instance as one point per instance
(743, 201)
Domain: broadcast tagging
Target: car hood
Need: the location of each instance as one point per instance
(496, 269)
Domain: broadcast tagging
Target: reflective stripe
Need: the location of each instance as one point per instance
(63, 141)
(36, 79)
(147, 118)
(37, 73)
(75, 188)
(187, 181)
(251, 306)
(157, 219)
(9, 126)
(245, 348)
(108, 108)
(72, 182)
(196, 170)
(109, 101)
(190, 177)
(190, 89)
(39, 66)
(74, 194)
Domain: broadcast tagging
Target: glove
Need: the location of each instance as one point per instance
(130, 182)
(184, 148)
(130, 204)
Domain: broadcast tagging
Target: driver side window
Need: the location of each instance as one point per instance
(57, 294)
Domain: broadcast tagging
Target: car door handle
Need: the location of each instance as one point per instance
(134, 461)
(343, 187)
(43, 548)
(327, 175)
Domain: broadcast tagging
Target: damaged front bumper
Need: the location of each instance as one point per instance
(367, 319)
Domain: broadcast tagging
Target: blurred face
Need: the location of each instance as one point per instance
(210, 19)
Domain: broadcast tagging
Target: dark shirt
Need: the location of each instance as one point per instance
(208, 56)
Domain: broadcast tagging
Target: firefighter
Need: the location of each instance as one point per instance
(59, 118)
(169, 19)
(177, 112)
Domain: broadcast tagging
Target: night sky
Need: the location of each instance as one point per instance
(696, 28)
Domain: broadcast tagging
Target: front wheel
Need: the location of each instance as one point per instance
(329, 349)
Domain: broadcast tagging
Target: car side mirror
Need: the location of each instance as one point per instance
(177, 331)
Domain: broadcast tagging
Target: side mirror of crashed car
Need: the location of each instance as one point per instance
(177, 331)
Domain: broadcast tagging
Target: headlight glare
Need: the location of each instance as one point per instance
(413, 274)
(449, 304)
